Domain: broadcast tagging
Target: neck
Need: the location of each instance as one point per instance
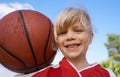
(80, 63)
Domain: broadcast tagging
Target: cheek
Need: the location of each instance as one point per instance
(59, 42)
(85, 39)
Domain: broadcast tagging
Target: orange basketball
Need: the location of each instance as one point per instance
(26, 41)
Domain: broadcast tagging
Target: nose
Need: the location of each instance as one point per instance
(70, 36)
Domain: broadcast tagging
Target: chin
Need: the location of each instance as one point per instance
(72, 57)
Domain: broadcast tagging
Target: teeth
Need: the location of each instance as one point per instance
(73, 45)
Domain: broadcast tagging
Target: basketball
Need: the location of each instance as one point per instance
(26, 41)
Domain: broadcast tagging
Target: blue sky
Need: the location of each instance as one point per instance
(105, 16)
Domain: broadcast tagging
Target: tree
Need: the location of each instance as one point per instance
(113, 47)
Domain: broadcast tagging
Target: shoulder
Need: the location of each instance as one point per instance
(99, 71)
(112, 74)
(105, 71)
(41, 73)
(49, 71)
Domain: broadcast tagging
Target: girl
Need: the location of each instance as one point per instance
(73, 35)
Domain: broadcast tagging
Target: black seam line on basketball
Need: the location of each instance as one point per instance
(53, 54)
(41, 63)
(31, 67)
(13, 56)
(50, 57)
(28, 38)
(46, 45)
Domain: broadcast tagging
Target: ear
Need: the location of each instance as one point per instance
(90, 37)
(54, 45)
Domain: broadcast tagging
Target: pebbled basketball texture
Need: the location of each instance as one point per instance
(26, 41)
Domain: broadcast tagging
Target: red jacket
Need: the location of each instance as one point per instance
(65, 69)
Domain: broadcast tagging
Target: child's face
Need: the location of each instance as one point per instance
(74, 40)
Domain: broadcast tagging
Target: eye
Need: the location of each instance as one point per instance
(62, 33)
(78, 30)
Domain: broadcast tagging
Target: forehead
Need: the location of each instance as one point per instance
(77, 24)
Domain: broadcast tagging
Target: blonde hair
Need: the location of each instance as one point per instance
(69, 16)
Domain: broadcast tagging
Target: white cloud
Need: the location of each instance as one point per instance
(6, 8)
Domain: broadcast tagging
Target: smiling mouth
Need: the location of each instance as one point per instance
(72, 45)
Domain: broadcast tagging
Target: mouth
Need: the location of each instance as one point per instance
(72, 45)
